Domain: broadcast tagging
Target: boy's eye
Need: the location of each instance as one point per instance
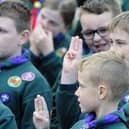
(43, 16)
(103, 30)
(53, 23)
(120, 42)
(88, 33)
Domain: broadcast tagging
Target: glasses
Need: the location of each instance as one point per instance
(89, 34)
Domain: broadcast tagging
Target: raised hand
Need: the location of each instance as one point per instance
(71, 61)
(41, 40)
(40, 115)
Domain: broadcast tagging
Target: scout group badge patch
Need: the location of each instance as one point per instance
(5, 97)
(14, 81)
(28, 76)
(126, 98)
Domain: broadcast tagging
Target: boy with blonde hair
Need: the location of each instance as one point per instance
(119, 30)
(95, 17)
(103, 79)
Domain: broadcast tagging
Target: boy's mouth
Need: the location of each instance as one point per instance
(100, 47)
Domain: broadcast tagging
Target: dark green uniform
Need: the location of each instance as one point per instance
(125, 109)
(51, 65)
(124, 100)
(68, 110)
(125, 5)
(116, 120)
(20, 82)
(7, 119)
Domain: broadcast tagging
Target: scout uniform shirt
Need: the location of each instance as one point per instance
(20, 82)
(115, 120)
(68, 110)
(7, 119)
(51, 65)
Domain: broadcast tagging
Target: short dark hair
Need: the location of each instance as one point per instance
(101, 6)
(18, 12)
(67, 9)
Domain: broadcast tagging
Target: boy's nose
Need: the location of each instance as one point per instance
(97, 37)
(45, 22)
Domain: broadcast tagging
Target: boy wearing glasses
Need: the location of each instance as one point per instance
(99, 93)
(95, 17)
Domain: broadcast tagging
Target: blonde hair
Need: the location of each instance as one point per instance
(52, 4)
(107, 68)
(121, 21)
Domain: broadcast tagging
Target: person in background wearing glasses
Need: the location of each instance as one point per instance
(95, 19)
(95, 16)
(93, 38)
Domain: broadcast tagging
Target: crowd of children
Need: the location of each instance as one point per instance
(70, 71)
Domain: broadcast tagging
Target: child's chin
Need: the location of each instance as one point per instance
(82, 110)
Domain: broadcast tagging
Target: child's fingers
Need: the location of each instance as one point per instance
(41, 30)
(49, 33)
(44, 104)
(40, 121)
(80, 46)
(38, 103)
(72, 43)
(38, 116)
(71, 54)
(75, 48)
(75, 43)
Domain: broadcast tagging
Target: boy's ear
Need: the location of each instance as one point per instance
(24, 37)
(102, 91)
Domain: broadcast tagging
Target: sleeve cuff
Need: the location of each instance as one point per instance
(70, 87)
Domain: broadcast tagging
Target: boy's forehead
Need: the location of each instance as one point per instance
(85, 73)
(84, 79)
(6, 22)
(96, 20)
(119, 34)
(50, 13)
